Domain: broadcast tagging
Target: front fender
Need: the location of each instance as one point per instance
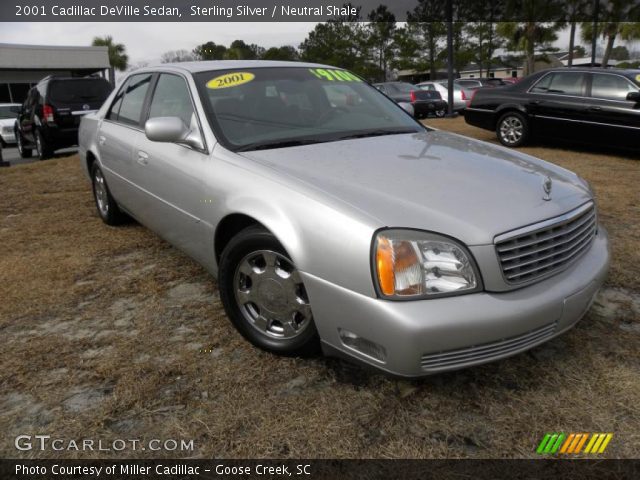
(323, 236)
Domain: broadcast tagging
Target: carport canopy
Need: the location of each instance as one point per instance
(22, 66)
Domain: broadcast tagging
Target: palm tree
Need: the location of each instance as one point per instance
(536, 31)
(118, 59)
(576, 9)
(614, 22)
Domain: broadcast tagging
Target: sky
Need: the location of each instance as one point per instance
(146, 42)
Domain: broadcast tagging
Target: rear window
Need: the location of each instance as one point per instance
(79, 91)
(403, 87)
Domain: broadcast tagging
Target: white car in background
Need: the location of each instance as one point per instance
(8, 115)
(460, 97)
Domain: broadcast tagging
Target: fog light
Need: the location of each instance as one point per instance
(362, 345)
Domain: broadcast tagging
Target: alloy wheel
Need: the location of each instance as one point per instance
(100, 190)
(511, 130)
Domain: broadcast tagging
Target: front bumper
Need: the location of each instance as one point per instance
(428, 336)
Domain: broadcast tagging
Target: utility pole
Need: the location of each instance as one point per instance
(596, 6)
(450, 58)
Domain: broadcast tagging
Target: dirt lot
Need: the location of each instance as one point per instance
(110, 333)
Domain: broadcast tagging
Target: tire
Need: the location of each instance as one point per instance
(24, 152)
(512, 129)
(263, 295)
(105, 204)
(42, 147)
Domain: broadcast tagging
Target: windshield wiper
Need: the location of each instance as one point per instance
(376, 133)
(278, 144)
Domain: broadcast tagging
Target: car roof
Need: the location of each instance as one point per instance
(620, 71)
(205, 66)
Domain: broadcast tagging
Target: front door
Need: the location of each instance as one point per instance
(169, 174)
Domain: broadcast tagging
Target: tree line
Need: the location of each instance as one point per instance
(376, 44)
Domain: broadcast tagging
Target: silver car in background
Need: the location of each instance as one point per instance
(332, 218)
(460, 96)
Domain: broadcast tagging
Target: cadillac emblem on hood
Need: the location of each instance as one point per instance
(547, 184)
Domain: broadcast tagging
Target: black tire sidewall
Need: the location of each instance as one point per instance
(245, 242)
(525, 129)
(44, 152)
(24, 152)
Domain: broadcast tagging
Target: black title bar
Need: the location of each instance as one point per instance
(310, 10)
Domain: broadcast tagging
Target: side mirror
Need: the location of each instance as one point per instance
(172, 130)
(407, 107)
(633, 96)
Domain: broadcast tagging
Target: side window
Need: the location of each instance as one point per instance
(128, 103)
(429, 87)
(543, 84)
(567, 83)
(611, 87)
(171, 99)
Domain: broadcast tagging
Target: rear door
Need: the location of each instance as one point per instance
(70, 99)
(119, 133)
(617, 119)
(558, 104)
(169, 175)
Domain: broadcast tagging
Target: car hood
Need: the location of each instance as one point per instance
(435, 181)
(7, 122)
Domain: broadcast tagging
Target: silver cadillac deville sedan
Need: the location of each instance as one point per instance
(332, 218)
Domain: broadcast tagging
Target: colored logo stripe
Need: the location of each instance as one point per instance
(573, 443)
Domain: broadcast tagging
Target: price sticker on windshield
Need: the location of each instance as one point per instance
(637, 78)
(230, 80)
(334, 75)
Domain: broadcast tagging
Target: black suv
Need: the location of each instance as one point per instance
(582, 105)
(50, 116)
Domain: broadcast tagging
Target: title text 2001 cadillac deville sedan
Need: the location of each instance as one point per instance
(331, 217)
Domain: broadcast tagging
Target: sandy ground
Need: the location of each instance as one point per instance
(110, 333)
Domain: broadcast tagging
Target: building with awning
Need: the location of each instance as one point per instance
(22, 66)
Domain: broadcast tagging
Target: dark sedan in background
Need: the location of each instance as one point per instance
(585, 105)
(424, 102)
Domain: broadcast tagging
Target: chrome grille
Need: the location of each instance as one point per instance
(546, 248)
(487, 351)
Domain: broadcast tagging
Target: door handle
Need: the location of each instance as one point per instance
(101, 140)
(143, 157)
(535, 102)
(595, 109)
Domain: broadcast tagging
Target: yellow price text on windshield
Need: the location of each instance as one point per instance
(334, 75)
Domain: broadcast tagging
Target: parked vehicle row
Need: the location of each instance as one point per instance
(49, 118)
(578, 104)
(460, 96)
(424, 102)
(332, 218)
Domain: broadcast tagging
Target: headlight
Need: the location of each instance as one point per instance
(7, 130)
(411, 264)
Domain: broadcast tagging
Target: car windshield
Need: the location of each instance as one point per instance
(258, 108)
(80, 90)
(8, 112)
